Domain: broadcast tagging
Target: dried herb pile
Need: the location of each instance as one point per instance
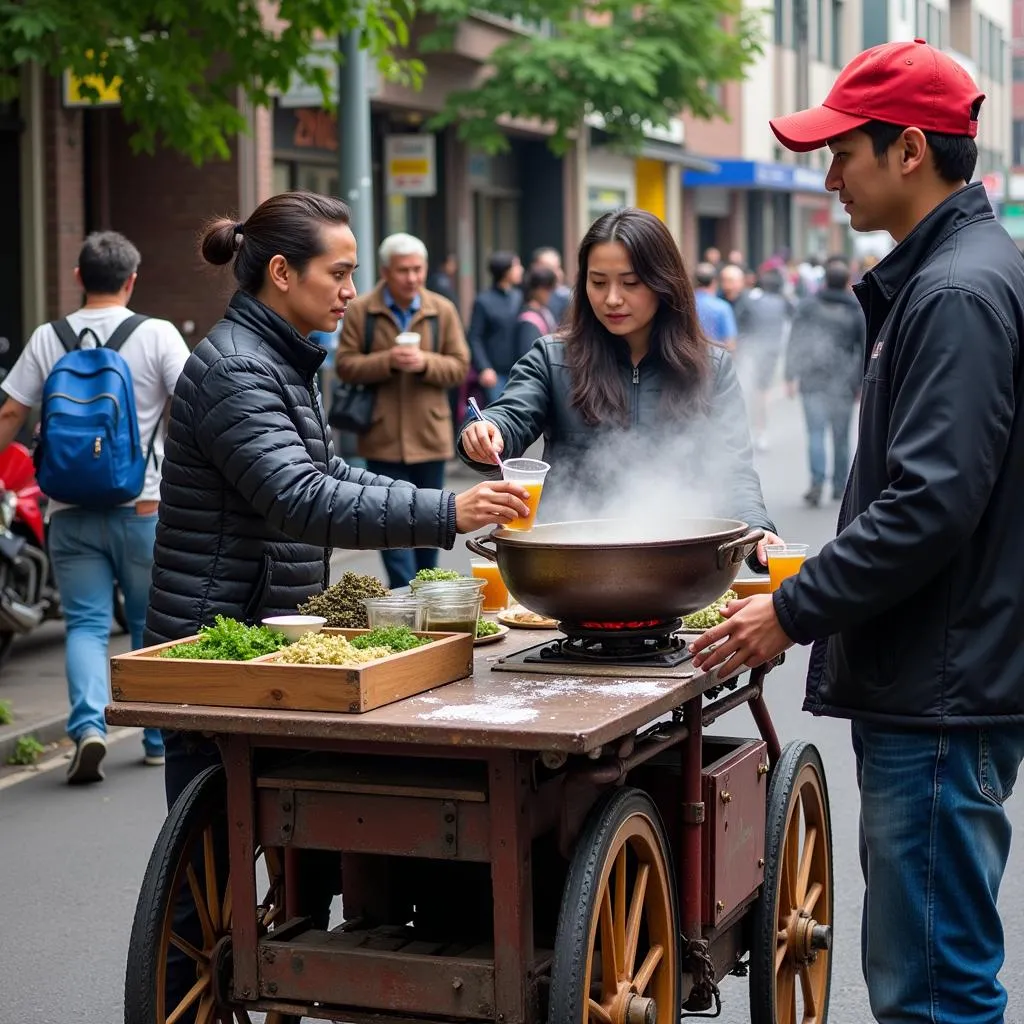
(342, 604)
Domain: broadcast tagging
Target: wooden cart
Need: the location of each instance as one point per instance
(514, 848)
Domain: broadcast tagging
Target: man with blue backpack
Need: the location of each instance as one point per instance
(101, 378)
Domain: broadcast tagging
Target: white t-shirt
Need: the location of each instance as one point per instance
(155, 353)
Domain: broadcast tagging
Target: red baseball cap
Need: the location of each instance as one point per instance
(910, 84)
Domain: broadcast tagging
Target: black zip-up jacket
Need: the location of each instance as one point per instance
(920, 594)
(253, 497)
(492, 329)
(825, 352)
(663, 465)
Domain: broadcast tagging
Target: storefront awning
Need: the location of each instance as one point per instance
(753, 174)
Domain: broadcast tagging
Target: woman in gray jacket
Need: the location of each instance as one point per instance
(641, 416)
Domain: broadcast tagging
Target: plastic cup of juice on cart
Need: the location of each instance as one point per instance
(294, 627)
(496, 596)
(748, 586)
(396, 611)
(454, 614)
(529, 474)
(784, 560)
(408, 339)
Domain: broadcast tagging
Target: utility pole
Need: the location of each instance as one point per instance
(355, 163)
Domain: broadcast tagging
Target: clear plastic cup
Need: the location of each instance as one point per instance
(460, 586)
(410, 338)
(784, 560)
(496, 596)
(454, 614)
(396, 611)
(530, 474)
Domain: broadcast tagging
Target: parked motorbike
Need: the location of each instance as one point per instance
(28, 594)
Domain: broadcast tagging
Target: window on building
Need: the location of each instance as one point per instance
(921, 18)
(996, 51)
(942, 40)
(932, 26)
(819, 29)
(1018, 68)
(1018, 143)
(780, 22)
(837, 33)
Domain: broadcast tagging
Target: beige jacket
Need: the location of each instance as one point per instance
(412, 420)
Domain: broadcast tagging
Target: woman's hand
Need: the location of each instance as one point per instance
(498, 502)
(766, 541)
(483, 441)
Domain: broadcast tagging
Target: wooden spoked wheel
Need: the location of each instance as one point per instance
(616, 952)
(791, 962)
(179, 956)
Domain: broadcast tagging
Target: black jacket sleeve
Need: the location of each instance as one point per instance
(243, 426)
(733, 453)
(478, 336)
(951, 404)
(522, 410)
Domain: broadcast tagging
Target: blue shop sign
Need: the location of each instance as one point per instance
(753, 174)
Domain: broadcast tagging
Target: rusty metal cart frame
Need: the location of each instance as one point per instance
(418, 780)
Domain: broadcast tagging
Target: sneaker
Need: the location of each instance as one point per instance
(90, 750)
(154, 759)
(813, 497)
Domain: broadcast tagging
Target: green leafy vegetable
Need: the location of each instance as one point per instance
(438, 575)
(710, 616)
(228, 640)
(396, 638)
(484, 627)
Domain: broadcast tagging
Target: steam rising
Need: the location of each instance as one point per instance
(647, 482)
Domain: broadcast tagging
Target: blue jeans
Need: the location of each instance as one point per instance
(90, 550)
(403, 563)
(822, 412)
(934, 841)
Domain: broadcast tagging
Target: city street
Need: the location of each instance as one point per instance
(71, 860)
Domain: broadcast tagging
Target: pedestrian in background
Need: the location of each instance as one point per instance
(91, 548)
(915, 608)
(732, 285)
(763, 321)
(492, 326)
(715, 314)
(536, 319)
(825, 364)
(551, 259)
(412, 434)
(444, 280)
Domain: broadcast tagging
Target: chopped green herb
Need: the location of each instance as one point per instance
(710, 616)
(484, 627)
(228, 640)
(396, 638)
(438, 575)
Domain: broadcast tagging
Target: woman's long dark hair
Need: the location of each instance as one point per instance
(676, 337)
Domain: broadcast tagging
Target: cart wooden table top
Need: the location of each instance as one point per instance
(517, 710)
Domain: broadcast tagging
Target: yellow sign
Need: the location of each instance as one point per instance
(108, 93)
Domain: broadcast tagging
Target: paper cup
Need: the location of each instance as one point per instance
(409, 338)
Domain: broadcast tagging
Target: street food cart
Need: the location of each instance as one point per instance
(555, 836)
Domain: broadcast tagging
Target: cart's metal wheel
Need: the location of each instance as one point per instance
(188, 870)
(616, 955)
(791, 956)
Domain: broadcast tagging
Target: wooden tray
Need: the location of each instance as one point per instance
(264, 682)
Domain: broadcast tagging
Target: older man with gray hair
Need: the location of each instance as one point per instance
(407, 343)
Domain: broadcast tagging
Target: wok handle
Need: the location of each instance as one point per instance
(734, 551)
(477, 547)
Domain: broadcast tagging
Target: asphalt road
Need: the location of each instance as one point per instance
(71, 860)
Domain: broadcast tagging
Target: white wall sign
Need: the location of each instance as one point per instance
(410, 165)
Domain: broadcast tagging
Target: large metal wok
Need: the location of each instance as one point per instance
(610, 570)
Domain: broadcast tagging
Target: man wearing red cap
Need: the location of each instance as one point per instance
(915, 609)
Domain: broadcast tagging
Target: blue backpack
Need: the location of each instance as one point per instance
(89, 451)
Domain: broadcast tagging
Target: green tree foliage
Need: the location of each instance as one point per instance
(182, 64)
(630, 64)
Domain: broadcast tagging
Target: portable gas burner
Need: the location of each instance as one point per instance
(649, 644)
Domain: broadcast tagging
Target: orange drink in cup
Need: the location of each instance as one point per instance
(529, 474)
(784, 560)
(495, 593)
